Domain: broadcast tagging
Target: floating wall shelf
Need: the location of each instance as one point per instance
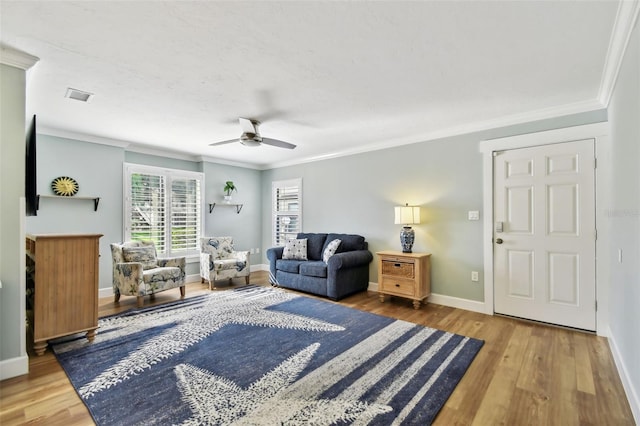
(96, 200)
(237, 206)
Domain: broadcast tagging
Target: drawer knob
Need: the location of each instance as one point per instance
(397, 285)
(397, 265)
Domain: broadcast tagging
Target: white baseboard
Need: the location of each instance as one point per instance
(456, 302)
(441, 299)
(13, 367)
(627, 384)
(260, 267)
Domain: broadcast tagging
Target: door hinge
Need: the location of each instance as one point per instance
(595, 163)
(595, 234)
(596, 306)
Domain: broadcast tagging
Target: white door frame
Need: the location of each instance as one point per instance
(598, 132)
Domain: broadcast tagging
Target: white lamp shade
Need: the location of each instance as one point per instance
(407, 215)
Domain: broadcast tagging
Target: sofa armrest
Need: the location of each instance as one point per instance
(275, 253)
(349, 259)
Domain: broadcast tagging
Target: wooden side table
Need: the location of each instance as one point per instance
(404, 274)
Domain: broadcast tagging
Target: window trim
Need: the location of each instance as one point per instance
(169, 174)
(279, 184)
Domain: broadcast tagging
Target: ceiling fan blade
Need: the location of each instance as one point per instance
(223, 142)
(279, 144)
(248, 126)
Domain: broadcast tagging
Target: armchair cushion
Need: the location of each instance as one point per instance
(157, 275)
(144, 254)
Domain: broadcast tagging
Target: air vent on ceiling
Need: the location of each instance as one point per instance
(78, 95)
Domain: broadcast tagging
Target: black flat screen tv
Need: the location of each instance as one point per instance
(30, 184)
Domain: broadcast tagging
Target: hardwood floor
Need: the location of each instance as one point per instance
(525, 373)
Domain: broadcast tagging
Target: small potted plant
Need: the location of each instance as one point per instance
(229, 187)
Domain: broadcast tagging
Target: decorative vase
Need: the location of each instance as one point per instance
(227, 199)
(407, 235)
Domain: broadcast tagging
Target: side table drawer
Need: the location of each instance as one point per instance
(398, 268)
(397, 286)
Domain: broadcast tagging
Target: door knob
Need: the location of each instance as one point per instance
(499, 241)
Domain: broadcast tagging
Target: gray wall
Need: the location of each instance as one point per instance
(99, 172)
(624, 215)
(244, 227)
(356, 194)
(12, 164)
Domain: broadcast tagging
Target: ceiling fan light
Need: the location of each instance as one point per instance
(249, 142)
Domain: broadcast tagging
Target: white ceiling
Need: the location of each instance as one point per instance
(330, 77)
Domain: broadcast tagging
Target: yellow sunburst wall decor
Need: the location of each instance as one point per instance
(64, 186)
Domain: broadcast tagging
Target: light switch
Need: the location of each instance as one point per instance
(474, 215)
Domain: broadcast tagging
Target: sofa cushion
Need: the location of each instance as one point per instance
(349, 242)
(143, 254)
(315, 244)
(292, 266)
(330, 249)
(295, 249)
(315, 268)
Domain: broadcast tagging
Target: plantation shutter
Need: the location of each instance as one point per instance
(287, 211)
(147, 209)
(164, 206)
(185, 214)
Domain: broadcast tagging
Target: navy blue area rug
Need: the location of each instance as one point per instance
(262, 356)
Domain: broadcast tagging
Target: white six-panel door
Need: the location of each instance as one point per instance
(544, 233)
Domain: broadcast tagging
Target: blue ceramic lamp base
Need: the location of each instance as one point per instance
(407, 235)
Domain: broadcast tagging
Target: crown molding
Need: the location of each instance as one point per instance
(621, 34)
(478, 126)
(138, 148)
(66, 134)
(17, 58)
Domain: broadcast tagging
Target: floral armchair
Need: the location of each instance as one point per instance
(138, 272)
(219, 260)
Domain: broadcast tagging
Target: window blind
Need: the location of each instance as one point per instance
(287, 212)
(164, 206)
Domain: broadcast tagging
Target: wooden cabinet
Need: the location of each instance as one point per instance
(62, 286)
(404, 274)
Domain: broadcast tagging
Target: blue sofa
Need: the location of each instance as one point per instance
(346, 272)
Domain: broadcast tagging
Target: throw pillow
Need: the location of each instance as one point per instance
(145, 255)
(330, 250)
(295, 249)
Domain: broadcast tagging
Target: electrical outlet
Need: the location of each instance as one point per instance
(474, 275)
(474, 215)
(257, 250)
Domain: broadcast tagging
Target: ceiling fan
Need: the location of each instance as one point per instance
(251, 136)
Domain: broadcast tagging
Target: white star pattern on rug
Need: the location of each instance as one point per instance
(216, 400)
(193, 325)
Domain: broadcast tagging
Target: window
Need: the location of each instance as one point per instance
(287, 210)
(164, 206)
